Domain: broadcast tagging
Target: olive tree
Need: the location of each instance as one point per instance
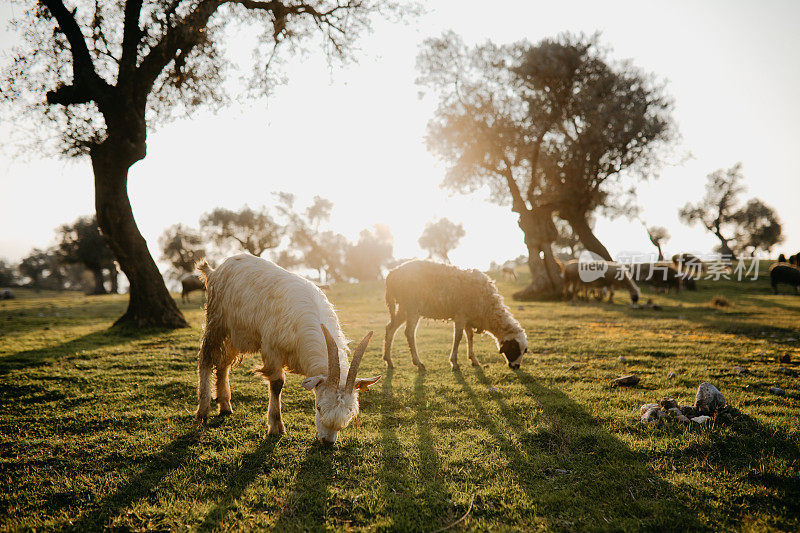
(550, 129)
(100, 75)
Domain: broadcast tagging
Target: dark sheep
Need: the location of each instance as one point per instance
(190, 283)
(660, 276)
(689, 263)
(7, 294)
(781, 258)
(786, 274)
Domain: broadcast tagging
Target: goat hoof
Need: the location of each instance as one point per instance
(277, 429)
(476, 363)
(421, 367)
(225, 412)
(455, 367)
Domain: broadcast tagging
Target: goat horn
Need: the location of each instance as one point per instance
(357, 355)
(333, 358)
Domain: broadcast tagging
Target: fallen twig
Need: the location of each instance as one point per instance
(469, 510)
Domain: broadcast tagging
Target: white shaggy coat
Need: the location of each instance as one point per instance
(444, 292)
(255, 306)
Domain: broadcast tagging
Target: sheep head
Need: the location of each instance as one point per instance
(513, 348)
(337, 405)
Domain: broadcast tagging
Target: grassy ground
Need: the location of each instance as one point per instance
(96, 426)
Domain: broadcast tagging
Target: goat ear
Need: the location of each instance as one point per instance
(311, 383)
(363, 384)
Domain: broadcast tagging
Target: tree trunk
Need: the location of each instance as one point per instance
(725, 249)
(660, 253)
(584, 232)
(99, 281)
(113, 275)
(546, 281)
(150, 304)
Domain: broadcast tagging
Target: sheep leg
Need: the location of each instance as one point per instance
(411, 334)
(276, 426)
(391, 329)
(471, 348)
(458, 331)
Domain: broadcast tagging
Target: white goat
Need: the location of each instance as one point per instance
(256, 306)
(444, 292)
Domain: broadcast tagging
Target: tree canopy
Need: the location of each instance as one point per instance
(81, 243)
(246, 229)
(739, 228)
(440, 237)
(658, 235)
(182, 247)
(366, 259)
(550, 128)
(97, 76)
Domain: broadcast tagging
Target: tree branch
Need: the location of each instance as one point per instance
(131, 36)
(184, 35)
(68, 95)
(86, 83)
(517, 203)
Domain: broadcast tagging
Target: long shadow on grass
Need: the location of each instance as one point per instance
(575, 474)
(397, 485)
(434, 494)
(98, 339)
(306, 505)
(760, 459)
(141, 485)
(253, 464)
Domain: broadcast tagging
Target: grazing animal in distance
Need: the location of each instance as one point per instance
(688, 281)
(256, 306)
(427, 289)
(659, 275)
(781, 258)
(689, 263)
(190, 283)
(7, 294)
(614, 275)
(785, 274)
(509, 274)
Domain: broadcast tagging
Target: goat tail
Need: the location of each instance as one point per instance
(205, 270)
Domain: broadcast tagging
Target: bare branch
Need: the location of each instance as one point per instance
(86, 82)
(131, 37)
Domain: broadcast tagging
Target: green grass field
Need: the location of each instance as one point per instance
(97, 427)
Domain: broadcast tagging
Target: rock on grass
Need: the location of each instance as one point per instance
(626, 381)
(708, 399)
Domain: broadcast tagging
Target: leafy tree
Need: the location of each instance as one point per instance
(758, 227)
(102, 74)
(310, 246)
(81, 243)
(324, 252)
(718, 209)
(34, 266)
(548, 128)
(8, 274)
(440, 237)
(252, 231)
(46, 269)
(365, 260)
(658, 235)
(182, 247)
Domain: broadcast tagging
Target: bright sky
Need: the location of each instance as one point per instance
(355, 134)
